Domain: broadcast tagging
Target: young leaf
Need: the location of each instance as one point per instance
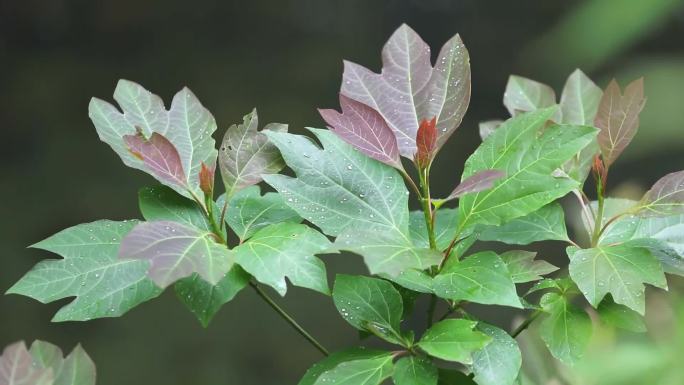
(525, 95)
(499, 362)
(524, 268)
(369, 304)
(387, 252)
(103, 285)
(285, 250)
(76, 369)
(414, 370)
(666, 197)
(17, 368)
(364, 128)
(187, 125)
(528, 159)
(620, 316)
(176, 251)
(409, 90)
(547, 223)
(618, 118)
(580, 99)
(454, 340)
(337, 187)
(566, 330)
(203, 299)
(335, 359)
(248, 211)
(160, 158)
(160, 203)
(620, 270)
(483, 180)
(480, 278)
(206, 177)
(487, 127)
(367, 371)
(426, 140)
(246, 154)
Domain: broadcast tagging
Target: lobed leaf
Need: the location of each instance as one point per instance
(364, 128)
(499, 362)
(524, 268)
(176, 251)
(566, 330)
(454, 340)
(285, 250)
(547, 223)
(162, 203)
(103, 285)
(246, 154)
(525, 95)
(666, 197)
(414, 370)
(17, 368)
(580, 99)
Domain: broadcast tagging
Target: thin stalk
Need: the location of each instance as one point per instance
(526, 323)
(411, 183)
(289, 319)
(427, 206)
(599, 214)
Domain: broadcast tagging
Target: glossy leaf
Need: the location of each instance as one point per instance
(249, 211)
(426, 141)
(547, 223)
(481, 278)
(364, 128)
(367, 371)
(285, 250)
(525, 95)
(524, 268)
(246, 154)
(499, 362)
(187, 125)
(566, 330)
(176, 251)
(203, 299)
(337, 187)
(409, 90)
(103, 285)
(454, 340)
(620, 316)
(414, 370)
(528, 158)
(162, 203)
(618, 118)
(335, 359)
(666, 197)
(369, 304)
(580, 99)
(482, 180)
(17, 368)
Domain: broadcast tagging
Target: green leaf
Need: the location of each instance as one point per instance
(76, 369)
(620, 270)
(286, 250)
(187, 125)
(528, 156)
(481, 278)
(414, 371)
(249, 211)
(330, 362)
(368, 371)
(246, 154)
(446, 223)
(337, 187)
(547, 223)
(160, 203)
(524, 268)
(580, 99)
(499, 362)
(416, 280)
(453, 340)
(204, 299)
(523, 95)
(104, 286)
(566, 330)
(370, 304)
(17, 367)
(620, 316)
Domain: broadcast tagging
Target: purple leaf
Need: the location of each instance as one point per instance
(618, 118)
(176, 251)
(408, 90)
(159, 156)
(483, 180)
(666, 197)
(18, 368)
(365, 129)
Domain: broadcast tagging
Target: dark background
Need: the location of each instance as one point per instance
(284, 57)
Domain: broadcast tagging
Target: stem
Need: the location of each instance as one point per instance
(427, 206)
(585, 209)
(289, 319)
(599, 214)
(411, 183)
(526, 323)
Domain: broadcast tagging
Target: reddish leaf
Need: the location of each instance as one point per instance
(160, 156)
(426, 140)
(483, 180)
(365, 129)
(206, 177)
(666, 197)
(17, 367)
(618, 118)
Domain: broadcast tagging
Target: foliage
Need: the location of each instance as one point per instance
(348, 189)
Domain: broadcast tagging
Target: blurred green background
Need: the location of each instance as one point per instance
(284, 57)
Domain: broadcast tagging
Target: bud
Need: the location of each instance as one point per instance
(426, 141)
(206, 178)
